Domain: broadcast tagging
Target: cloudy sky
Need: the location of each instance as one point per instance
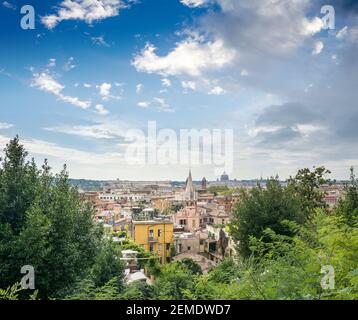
(270, 69)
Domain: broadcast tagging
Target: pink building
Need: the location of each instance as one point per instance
(192, 217)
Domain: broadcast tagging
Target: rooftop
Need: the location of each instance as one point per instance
(159, 221)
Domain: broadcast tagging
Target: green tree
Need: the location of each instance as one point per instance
(173, 280)
(224, 272)
(139, 290)
(85, 289)
(191, 265)
(18, 189)
(260, 209)
(59, 238)
(348, 206)
(43, 223)
(18, 185)
(107, 266)
(307, 186)
(289, 267)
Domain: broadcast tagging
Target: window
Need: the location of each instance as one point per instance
(189, 248)
(168, 246)
(151, 234)
(159, 232)
(201, 242)
(159, 247)
(182, 222)
(151, 247)
(180, 247)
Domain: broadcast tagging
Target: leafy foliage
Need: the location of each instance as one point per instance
(43, 223)
(306, 185)
(11, 293)
(139, 291)
(262, 208)
(348, 207)
(173, 280)
(191, 266)
(290, 267)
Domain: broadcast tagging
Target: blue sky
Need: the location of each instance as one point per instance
(93, 69)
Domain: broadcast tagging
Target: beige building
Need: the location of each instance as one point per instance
(186, 242)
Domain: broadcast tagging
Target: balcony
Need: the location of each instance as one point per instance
(152, 239)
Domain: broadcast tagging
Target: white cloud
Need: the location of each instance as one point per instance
(191, 56)
(75, 101)
(104, 89)
(69, 65)
(194, 3)
(244, 73)
(100, 41)
(87, 85)
(166, 82)
(4, 125)
(342, 33)
(318, 47)
(162, 105)
(46, 82)
(50, 149)
(97, 131)
(217, 91)
(101, 110)
(189, 85)
(144, 104)
(86, 10)
(253, 132)
(311, 27)
(262, 28)
(139, 88)
(51, 63)
(159, 103)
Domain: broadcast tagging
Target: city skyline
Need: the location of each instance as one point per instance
(91, 71)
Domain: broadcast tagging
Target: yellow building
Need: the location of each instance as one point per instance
(155, 236)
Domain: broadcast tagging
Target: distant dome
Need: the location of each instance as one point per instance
(224, 177)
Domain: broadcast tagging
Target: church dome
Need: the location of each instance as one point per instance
(224, 177)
